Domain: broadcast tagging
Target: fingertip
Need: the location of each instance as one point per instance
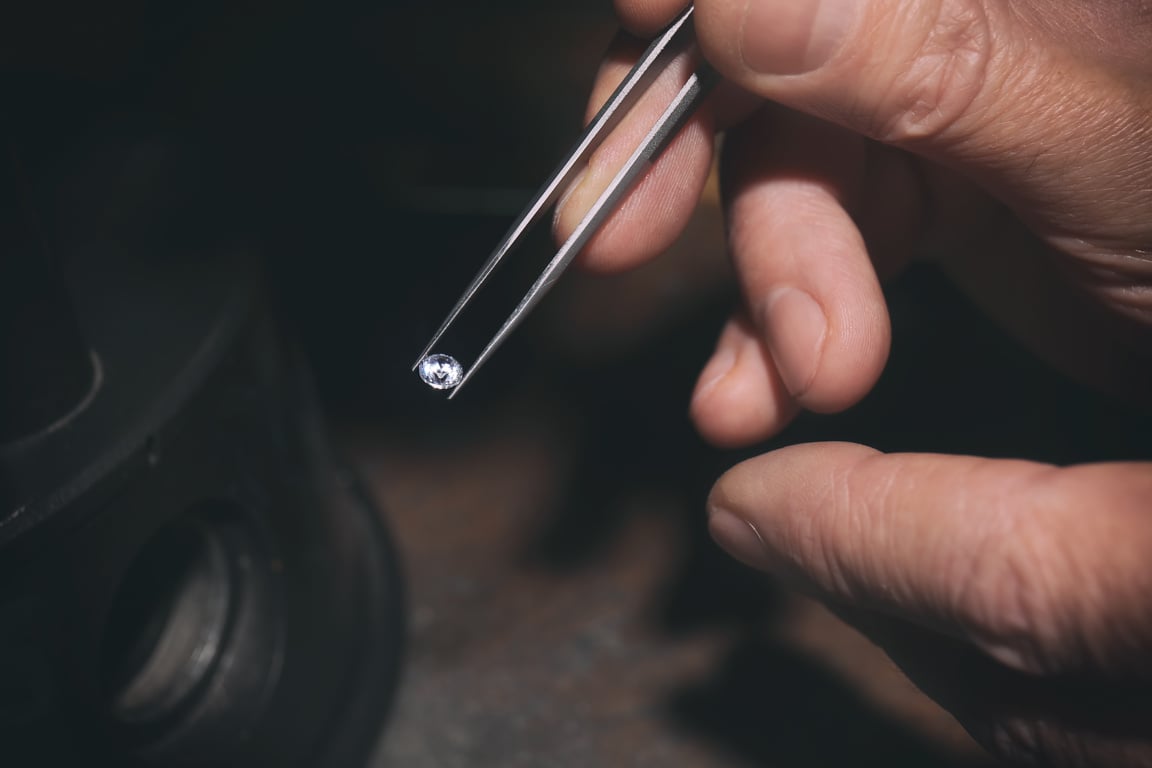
(848, 359)
(820, 314)
(786, 479)
(718, 24)
(645, 18)
(752, 503)
(737, 537)
(739, 398)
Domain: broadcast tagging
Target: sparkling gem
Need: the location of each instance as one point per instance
(441, 371)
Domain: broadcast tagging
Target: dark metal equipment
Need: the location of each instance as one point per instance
(188, 574)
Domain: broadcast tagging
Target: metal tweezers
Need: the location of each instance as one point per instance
(677, 39)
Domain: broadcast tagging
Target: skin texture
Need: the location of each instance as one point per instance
(1012, 142)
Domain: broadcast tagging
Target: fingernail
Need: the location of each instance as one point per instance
(737, 537)
(794, 326)
(718, 367)
(790, 37)
(573, 186)
(561, 207)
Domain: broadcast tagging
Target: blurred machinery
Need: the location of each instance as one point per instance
(188, 574)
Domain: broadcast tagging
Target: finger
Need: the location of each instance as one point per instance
(970, 83)
(1019, 718)
(655, 213)
(1044, 569)
(802, 263)
(739, 398)
(646, 17)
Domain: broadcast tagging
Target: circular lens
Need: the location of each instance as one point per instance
(168, 623)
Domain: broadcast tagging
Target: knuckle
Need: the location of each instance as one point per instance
(1009, 596)
(1015, 742)
(1031, 740)
(941, 78)
(854, 505)
(1028, 742)
(1053, 592)
(1121, 279)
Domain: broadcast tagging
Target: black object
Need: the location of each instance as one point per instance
(188, 575)
(47, 368)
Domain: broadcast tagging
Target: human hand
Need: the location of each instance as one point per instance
(1013, 142)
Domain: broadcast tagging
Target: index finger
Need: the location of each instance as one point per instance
(1044, 568)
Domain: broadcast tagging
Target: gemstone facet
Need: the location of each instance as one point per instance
(440, 371)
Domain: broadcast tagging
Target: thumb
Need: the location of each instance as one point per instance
(1054, 126)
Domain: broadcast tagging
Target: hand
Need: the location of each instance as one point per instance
(1013, 143)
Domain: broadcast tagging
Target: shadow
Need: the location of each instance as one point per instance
(769, 706)
(634, 434)
(636, 440)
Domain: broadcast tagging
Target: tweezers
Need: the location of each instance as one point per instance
(679, 38)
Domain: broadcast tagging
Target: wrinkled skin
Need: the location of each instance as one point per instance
(1012, 143)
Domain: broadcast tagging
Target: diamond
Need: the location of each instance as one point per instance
(441, 371)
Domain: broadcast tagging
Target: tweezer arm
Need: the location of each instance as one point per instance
(666, 128)
(675, 39)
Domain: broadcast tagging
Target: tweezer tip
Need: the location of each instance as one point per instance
(425, 353)
(460, 385)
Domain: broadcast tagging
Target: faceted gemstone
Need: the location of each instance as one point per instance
(441, 371)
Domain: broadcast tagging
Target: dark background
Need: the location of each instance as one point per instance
(567, 607)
